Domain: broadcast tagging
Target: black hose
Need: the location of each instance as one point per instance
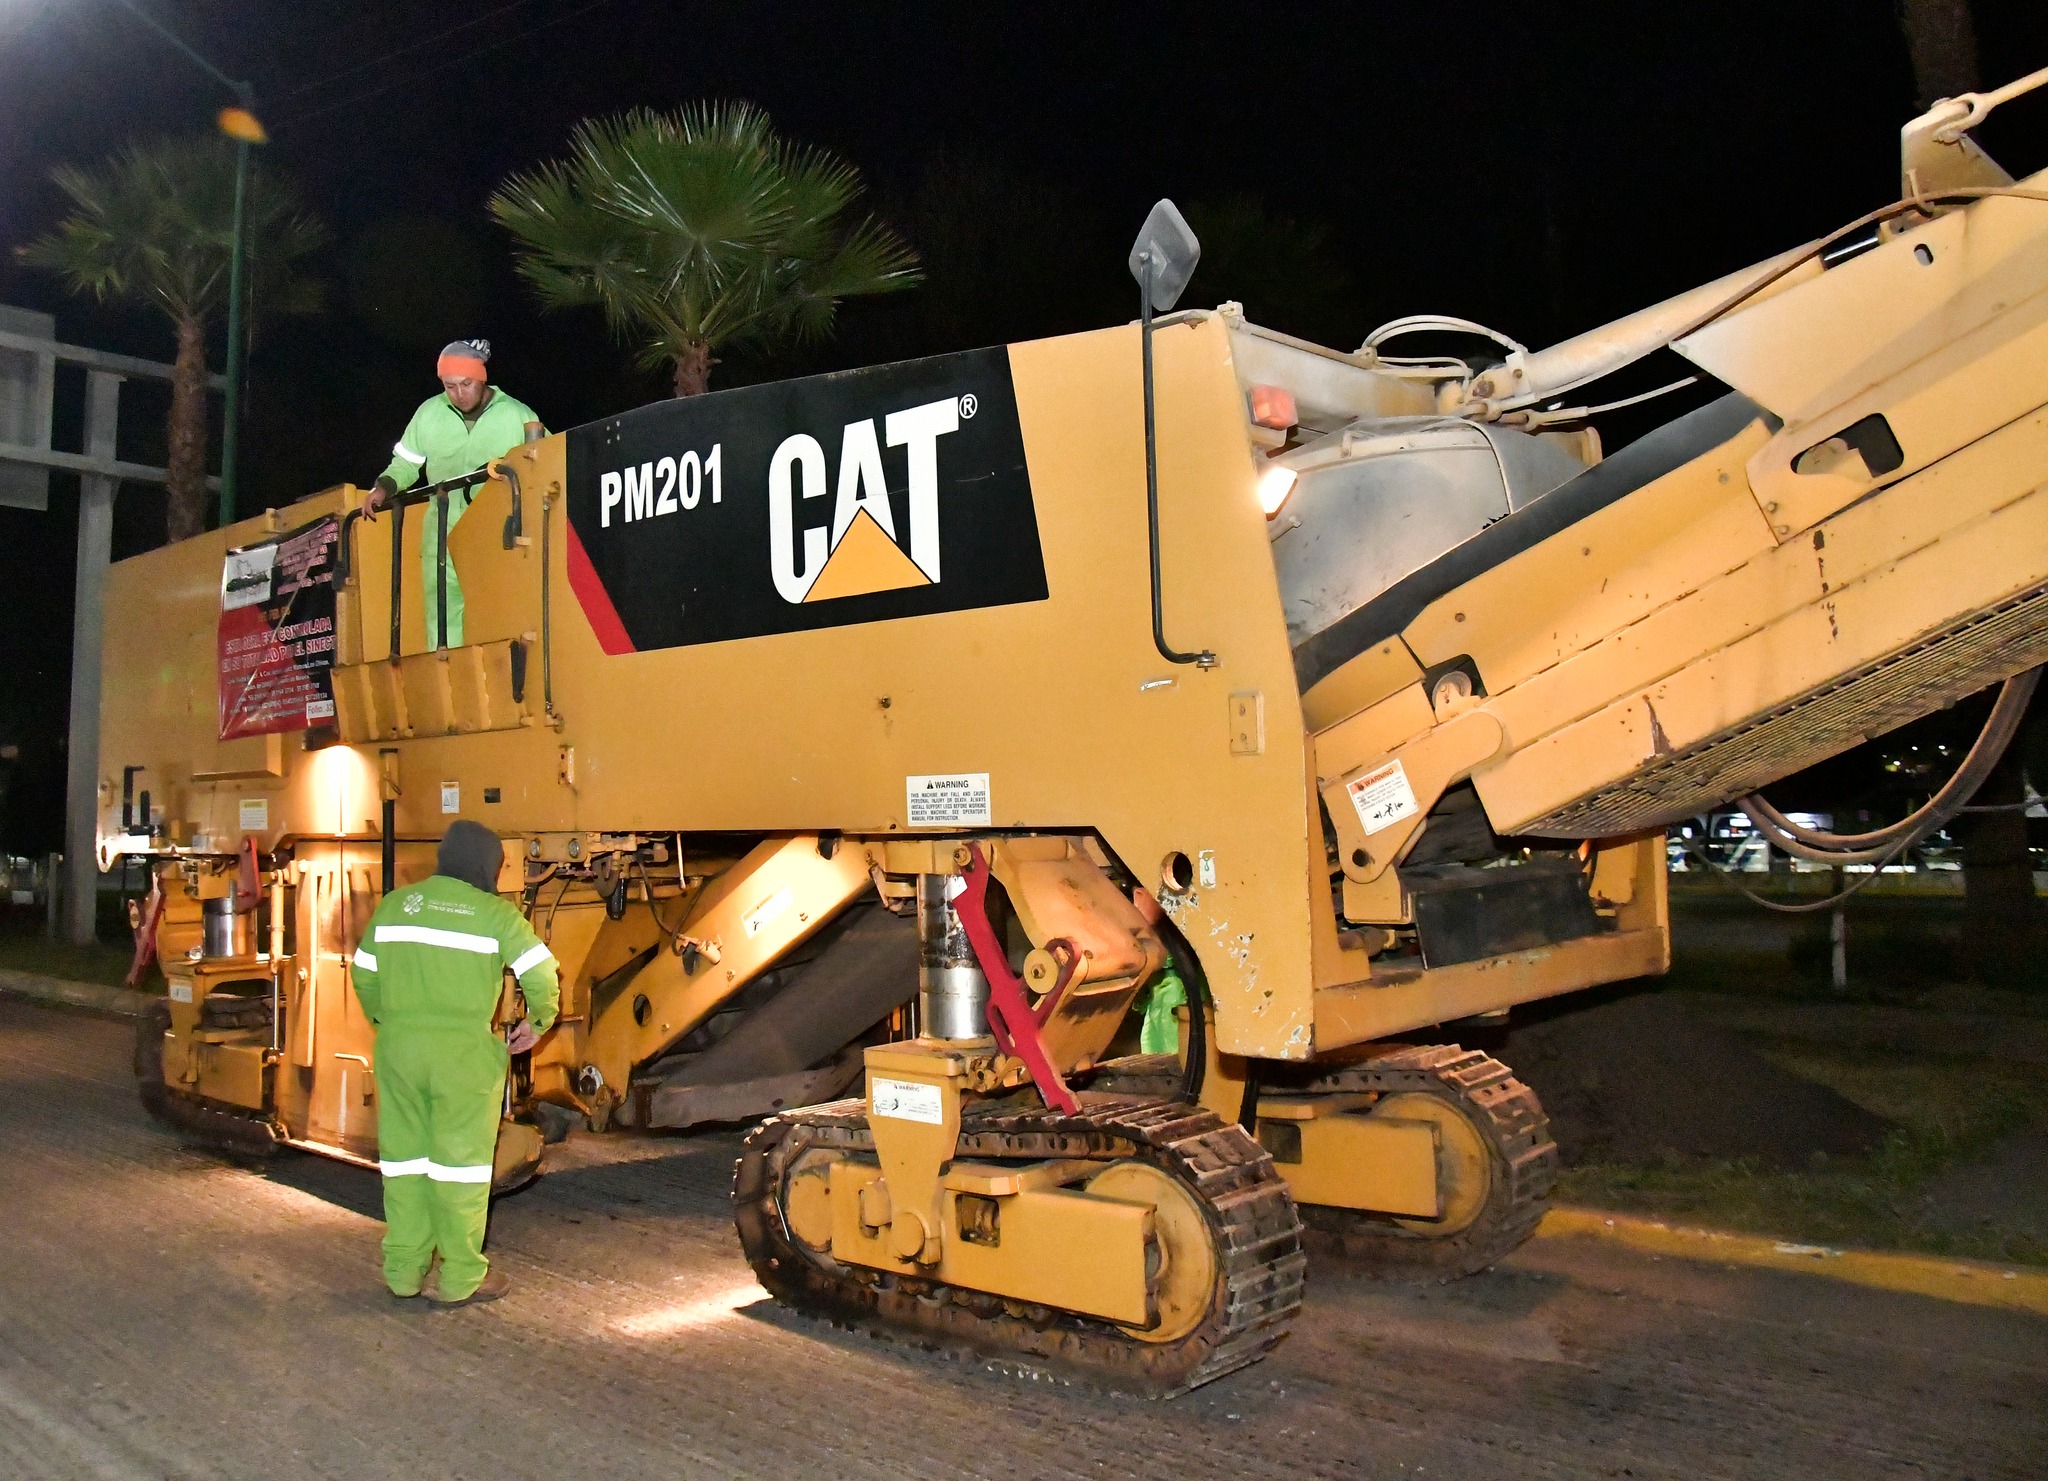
(1728, 877)
(1189, 969)
(1821, 847)
(1248, 1105)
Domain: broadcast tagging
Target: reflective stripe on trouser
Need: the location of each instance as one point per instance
(440, 1092)
(430, 553)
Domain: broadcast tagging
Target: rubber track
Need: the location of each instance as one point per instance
(1250, 1210)
(1505, 1111)
(231, 1129)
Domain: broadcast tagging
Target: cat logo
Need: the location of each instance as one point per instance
(864, 553)
(898, 491)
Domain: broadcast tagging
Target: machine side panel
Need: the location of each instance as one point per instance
(1667, 714)
(160, 712)
(1062, 702)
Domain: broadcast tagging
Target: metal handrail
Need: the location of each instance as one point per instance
(398, 503)
(512, 537)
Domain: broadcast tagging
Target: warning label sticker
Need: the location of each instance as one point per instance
(1382, 797)
(956, 800)
(905, 1100)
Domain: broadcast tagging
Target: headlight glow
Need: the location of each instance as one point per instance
(1275, 484)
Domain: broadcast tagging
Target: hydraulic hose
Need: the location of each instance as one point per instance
(1880, 844)
(1189, 967)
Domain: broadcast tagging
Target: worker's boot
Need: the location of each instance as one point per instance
(430, 1283)
(494, 1284)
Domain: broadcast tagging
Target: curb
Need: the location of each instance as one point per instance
(120, 1002)
(1970, 1282)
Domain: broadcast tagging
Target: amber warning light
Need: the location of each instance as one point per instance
(1273, 407)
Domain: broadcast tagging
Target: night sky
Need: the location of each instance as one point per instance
(1541, 168)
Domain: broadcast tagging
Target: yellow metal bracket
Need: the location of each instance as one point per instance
(1427, 767)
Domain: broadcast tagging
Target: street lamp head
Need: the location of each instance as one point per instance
(240, 123)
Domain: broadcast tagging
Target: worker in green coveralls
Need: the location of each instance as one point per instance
(429, 972)
(466, 426)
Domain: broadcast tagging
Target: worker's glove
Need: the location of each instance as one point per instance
(522, 1037)
(379, 495)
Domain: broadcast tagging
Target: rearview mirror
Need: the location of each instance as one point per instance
(1164, 256)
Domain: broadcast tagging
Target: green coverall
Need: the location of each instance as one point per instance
(428, 973)
(443, 443)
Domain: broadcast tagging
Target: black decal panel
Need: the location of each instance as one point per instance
(896, 491)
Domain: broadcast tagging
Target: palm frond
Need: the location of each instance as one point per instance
(698, 227)
(155, 222)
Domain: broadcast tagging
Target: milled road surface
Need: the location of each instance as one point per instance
(166, 1314)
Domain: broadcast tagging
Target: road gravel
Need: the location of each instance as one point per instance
(167, 1314)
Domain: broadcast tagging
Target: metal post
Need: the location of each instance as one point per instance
(1838, 937)
(53, 894)
(95, 544)
(231, 412)
(397, 574)
(441, 573)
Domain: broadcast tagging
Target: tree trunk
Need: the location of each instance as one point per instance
(693, 370)
(2001, 916)
(1943, 43)
(185, 514)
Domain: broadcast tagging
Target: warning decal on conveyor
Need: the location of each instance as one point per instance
(1382, 797)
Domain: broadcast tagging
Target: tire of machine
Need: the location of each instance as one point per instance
(1256, 1239)
(1520, 1156)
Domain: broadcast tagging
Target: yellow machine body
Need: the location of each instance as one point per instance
(1854, 535)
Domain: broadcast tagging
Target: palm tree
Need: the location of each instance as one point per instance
(154, 224)
(696, 230)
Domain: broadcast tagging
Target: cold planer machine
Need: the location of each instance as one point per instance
(1357, 688)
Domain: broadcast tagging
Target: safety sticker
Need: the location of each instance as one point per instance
(254, 814)
(1382, 797)
(451, 797)
(906, 1100)
(181, 992)
(956, 800)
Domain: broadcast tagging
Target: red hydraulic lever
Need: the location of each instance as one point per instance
(1010, 1017)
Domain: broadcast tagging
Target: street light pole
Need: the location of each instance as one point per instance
(238, 123)
(231, 410)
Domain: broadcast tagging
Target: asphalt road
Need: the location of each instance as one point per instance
(166, 1314)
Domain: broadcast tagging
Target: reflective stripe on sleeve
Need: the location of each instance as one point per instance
(364, 960)
(416, 1165)
(435, 936)
(528, 960)
(416, 459)
(441, 1174)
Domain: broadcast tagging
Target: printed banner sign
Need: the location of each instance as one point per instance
(875, 494)
(276, 643)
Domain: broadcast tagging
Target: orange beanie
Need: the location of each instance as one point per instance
(464, 357)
